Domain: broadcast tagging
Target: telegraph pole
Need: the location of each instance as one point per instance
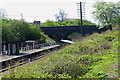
(81, 13)
(80, 10)
(21, 16)
(81, 18)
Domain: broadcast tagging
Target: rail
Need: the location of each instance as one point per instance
(38, 46)
(28, 58)
(22, 63)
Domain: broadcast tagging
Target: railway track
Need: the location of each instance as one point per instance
(29, 59)
(21, 64)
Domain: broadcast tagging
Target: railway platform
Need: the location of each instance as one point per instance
(26, 54)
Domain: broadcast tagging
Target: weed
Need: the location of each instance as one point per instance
(91, 57)
(109, 37)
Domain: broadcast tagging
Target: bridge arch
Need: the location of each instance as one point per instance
(61, 32)
(74, 35)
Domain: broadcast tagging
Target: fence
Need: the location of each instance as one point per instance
(38, 46)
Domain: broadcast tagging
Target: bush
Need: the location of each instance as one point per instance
(74, 36)
(99, 74)
(49, 23)
(88, 60)
(18, 30)
(94, 57)
(109, 37)
(105, 45)
(72, 68)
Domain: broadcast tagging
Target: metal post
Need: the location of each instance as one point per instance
(81, 12)
(81, 16)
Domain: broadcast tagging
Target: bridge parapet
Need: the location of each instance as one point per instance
(63, 31)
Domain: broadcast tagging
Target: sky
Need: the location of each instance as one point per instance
(42, 10)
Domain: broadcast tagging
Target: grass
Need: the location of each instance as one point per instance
(96, 56)
(74, 36)
(49, 40)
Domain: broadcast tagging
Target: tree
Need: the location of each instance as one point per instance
(36, 34)
(61, 15)
(3, 13)
(17, 30)
(106, 13)
(6, 31)
(49, 23)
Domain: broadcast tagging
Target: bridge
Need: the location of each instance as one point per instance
(62, 32)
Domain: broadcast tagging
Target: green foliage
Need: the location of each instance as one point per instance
(72, 68)
(11, 72)
(49, 40)
(115, 43)
(96, 56)
(16, 30)
(118, 20)
(109, 37)
(20, 50)
(6, 31)
(74, 36)
(99, 74)
(37, 34)
(106, 13)
(49, 23)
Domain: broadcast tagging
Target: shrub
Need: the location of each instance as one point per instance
(105, 45)
(88, 60)
(109, 37)
(18, 30)
(74, 36)
(72, 68)
(99, 74)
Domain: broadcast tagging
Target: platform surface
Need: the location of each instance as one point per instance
(6, 57)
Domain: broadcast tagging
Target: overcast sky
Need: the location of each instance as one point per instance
(43, 10)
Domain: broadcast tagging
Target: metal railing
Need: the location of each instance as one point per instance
(38, 46)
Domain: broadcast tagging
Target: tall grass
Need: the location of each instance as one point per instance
(93, 57)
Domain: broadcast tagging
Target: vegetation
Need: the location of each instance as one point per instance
(18, 30)
(49, 23)
(74, 36)
(49, 40)
(3, 13)
(96, 56)
(106, 13)
(118, 21)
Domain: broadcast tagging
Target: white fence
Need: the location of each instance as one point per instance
(38, 46)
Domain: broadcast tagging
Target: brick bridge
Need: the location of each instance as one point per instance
(63, 31)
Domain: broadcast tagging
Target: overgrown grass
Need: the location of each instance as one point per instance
(74, 36)
(49, 40)
(96, 56)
